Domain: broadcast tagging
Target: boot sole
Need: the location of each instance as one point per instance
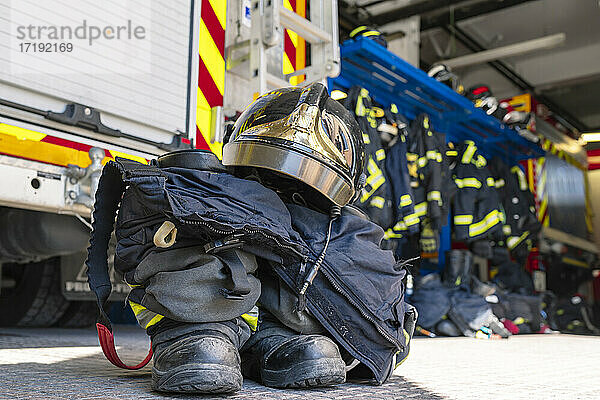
(198, 378)
(313, 373)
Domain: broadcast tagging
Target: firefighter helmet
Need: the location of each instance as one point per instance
(373, 34)
(482, 97)
(302, 134)
(443, 74)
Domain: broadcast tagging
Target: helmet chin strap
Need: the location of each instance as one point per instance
(334, 214)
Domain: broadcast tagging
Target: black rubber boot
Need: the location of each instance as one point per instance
(278, 357)
(198, 358)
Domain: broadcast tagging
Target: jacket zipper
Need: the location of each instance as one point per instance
(360, 308)
(246, 230)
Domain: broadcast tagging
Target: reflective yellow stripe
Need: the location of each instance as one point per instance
(432, 154)
(390, 234)
(521, 176)
(380, 154)
(377, 201)
(397, 362)
(467, 182)
(411, 219)
(490, 181)
(426, 123)
(20, 142)
(514, 241)
(393, 108)
(21, 133)
(573, 261)
(463, 219)
(377, 182)
(543, 206)
(422, 161)
(506, 229)
(145, 317)
(434, 195)
(452, 153)
(375, 179)
(372, 168)
(154, 321)
(400, 226)
(468, 154)
(488, 222)
(542, 185)
(136, 308)
(115, 153)
(374, 187)
(420, 209)
(481, 162)
(499, 183)
(405, 200)
(251, 320)
(360, 109)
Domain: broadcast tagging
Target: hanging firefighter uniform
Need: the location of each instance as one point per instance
(521, 226)
(425, 165)
(476, 204)
(428, 169)
(406, 222)
(375, 200)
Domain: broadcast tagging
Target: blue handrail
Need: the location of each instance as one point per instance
(389, 79)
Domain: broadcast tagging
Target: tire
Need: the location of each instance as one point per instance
(31, 294)
(79, 314)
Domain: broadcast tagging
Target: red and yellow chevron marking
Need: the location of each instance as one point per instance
(31, 145)
(536, 177)
(211, 70)
(589, 212)
(294, 47)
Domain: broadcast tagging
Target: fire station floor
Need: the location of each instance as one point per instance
(62, 363)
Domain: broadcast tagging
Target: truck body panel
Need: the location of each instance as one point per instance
(140, 86)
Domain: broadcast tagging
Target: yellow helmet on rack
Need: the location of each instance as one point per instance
(365, 31)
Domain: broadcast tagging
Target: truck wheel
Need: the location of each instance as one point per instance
(30, 294)
(79, 314)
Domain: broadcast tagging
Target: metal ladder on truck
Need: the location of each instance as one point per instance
(321, 31)
(255, 49)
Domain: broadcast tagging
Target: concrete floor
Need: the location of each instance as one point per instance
(60, 363)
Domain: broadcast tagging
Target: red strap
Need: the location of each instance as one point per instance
(107, 342)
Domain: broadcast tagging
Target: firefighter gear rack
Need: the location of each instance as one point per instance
(391, 80)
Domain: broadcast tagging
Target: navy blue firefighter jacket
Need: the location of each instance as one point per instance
(358, 294)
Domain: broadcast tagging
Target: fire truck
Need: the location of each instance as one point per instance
(81, 84)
